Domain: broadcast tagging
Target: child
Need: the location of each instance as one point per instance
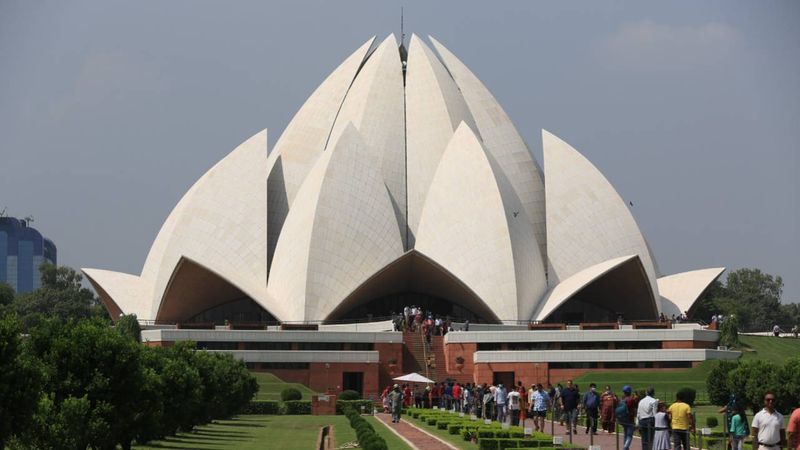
(661, 437)
(738, 428)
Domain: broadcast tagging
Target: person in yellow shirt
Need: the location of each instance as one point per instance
(681, 421)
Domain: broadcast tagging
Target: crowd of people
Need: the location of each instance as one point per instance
(661, 427)
(414, 318)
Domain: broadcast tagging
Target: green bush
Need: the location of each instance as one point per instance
(485, 433)
(342, 405)
(297, 407)
(711, 422)
(432, 420)
(687, 394)
(349, 395)
(291, 394)
(265, 407)
(454, 428)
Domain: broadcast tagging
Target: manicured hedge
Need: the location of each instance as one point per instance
(297, 407)
(367, 438)
(342, 405)
(263, 407)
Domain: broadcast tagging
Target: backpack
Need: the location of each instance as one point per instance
(622, 412)
(591, 400)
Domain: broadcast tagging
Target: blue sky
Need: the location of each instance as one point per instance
(109, 110)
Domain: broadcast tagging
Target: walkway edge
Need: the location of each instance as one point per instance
(447, 444)
(396, 433)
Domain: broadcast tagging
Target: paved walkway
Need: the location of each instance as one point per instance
(604, 440)
(415, 437)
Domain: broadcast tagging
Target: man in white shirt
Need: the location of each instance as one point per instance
(768, 428)
(646, 415)
(513, 401)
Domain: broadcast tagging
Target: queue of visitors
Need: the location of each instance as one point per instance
(661, 427)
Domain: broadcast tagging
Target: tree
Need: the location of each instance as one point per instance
(128, 325)
(760, 292)
(704, 307)
(717, 382)
(88, 360)
(61, 295)
(20, 381)
(729, 331)
(6, 294)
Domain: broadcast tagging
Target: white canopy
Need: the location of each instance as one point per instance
(414, 377)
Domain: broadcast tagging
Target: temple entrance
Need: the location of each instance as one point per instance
(413, 280)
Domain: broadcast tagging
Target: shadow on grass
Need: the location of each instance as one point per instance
(231, 433)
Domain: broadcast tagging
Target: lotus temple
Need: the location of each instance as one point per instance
(401, 181)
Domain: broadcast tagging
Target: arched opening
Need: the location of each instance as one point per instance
(196, 294)
(413, 279)
(623, 291)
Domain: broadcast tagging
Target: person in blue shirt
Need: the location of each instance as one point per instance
(569, 403)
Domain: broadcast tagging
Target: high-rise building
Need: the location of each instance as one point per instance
(22, 250)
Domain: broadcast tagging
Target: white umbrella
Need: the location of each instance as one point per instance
(414, 378)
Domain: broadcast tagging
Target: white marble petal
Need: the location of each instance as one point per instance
(681, 290)
(587, 221)
(502, 140)
(559, 294)
(434, 109)
(305, 138)
(468, 226)
(342, 231)
(374, 105)
(120, 292)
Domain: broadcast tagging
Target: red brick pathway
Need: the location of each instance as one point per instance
(604, 440)
(418, 439)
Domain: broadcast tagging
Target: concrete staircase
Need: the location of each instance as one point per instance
(429, 363)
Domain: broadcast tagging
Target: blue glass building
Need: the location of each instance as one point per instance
(22, 250)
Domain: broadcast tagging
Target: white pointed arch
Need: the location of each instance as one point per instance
(502, 140)
(571, 286)
(375, 105)
(304, 139)
(342, 231)
(587, 221)
(434, 109)
(120, 293)
(221, 223)
(681, 290)
(468, 226)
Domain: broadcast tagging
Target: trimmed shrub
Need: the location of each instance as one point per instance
(349, 395)
(711, 422)
(342, 405)
(432, 420)
(454, 428)
(687, 394)
(484, 433)
(297, 407)
(291, 394)
(264, 407)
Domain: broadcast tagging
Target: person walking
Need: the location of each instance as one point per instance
(645, 414)
(768, 429)
(738, 430)
(624, 415)
(500, 400)
(541, 402)
(591, 405)
(514, 401)
(396, 403)
(661, 435)
(569, 404)
(608, 403)
(682, 421)
(794, 430)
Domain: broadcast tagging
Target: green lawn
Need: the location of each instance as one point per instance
(270, 387)
(259, 432)
(769, 348)
(665, 382)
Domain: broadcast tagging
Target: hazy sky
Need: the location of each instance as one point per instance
(109, 111)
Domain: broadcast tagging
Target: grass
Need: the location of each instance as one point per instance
(665, 382)
(258, 432)
(270, 387)
(769, 348)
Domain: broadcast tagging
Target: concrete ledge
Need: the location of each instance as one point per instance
(527, 356)
(269, 336)
(577, 335)
(303, 356)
